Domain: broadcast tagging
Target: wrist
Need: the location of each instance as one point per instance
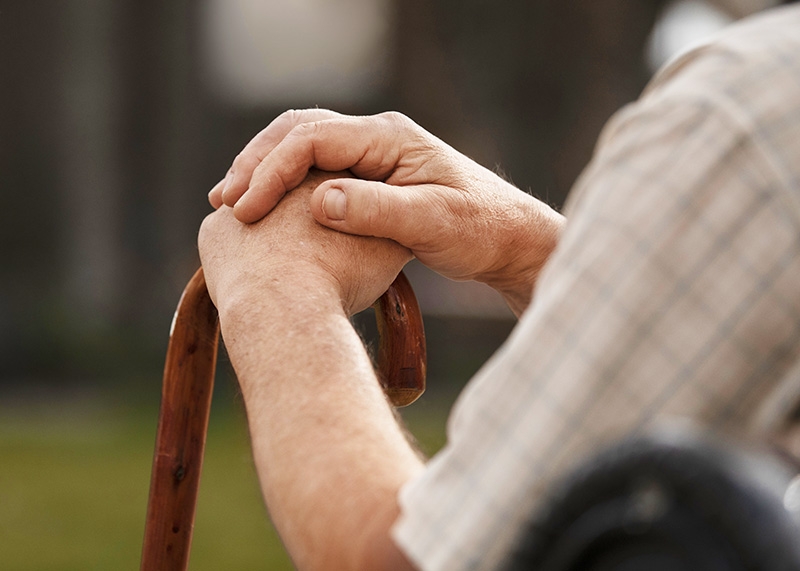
(528, 241)
(268, 319)
(270, 294)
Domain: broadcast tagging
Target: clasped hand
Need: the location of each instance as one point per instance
(455, 216)
(288, 254)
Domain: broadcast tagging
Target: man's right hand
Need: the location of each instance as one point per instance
(458, 218)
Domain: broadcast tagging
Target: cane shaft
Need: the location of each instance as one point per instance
(182, 427)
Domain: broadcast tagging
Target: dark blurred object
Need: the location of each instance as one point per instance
(674, 500)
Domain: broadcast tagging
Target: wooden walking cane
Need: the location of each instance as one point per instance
(186, 402)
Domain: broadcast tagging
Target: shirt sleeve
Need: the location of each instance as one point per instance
(673, 293)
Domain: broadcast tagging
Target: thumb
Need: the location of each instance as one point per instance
(370, 208)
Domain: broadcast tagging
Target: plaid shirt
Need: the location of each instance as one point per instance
(674, 292)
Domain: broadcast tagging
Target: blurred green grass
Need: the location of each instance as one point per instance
(74, 477)
(75, 462)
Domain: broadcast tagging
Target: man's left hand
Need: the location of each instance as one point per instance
(289, 254)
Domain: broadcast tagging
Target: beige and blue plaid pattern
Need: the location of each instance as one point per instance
(674, 293)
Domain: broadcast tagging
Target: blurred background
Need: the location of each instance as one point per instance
(117, 117)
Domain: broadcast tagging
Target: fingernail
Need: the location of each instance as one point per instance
(334, 205)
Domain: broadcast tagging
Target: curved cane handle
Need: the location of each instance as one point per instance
(402, 358)
(186, 403)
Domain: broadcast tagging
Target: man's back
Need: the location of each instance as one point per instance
(673, 293)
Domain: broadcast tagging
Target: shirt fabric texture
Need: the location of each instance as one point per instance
(673, 293)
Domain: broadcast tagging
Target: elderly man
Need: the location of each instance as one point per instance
(671, 291)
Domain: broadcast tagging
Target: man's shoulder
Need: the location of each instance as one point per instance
(755, 46)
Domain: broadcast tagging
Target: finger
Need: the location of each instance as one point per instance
(215, 196)
(250, 157)
(406, 214)
(370, 147)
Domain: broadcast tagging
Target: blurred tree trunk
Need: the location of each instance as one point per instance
(131, 149)
(102, 158)
(165, 140)
(31, 211)
(90, 162)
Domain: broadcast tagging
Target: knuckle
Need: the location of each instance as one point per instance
(398, 121)
(291, 117)
(310, 129)
(284, 181)
(302, 131)
(394, 117)
(379, 208)
(246, 161)
(295, 117)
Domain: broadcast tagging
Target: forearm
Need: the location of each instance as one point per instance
(329, 453)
